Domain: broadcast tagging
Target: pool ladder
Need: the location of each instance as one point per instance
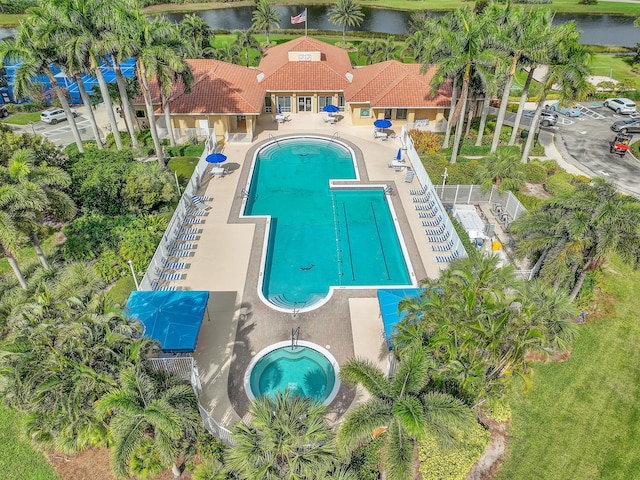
(271, 137)
(295, 335)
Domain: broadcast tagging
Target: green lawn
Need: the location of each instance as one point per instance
(184, 167)
(581, 418)
(121, 290)
(23, 118)
(18, 459)
(619, 66)
(27, 256)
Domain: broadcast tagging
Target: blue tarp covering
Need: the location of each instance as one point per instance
(172, 318)
(388, 300)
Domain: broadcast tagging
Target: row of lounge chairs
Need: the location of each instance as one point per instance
(447, 258)
(180, 246)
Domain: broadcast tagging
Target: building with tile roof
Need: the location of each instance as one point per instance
(299, 77)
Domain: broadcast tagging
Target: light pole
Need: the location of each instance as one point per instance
(444, 181)
(133, 272)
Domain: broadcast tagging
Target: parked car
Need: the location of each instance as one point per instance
(548, 118)
(55, 115)
(620, 105)
(631, 125)
(566, 111)
(3, 112)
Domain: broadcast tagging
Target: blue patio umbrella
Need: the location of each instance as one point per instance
(279, 110)
(216, 158)
(330, 108)
(382, 123)
(399, 155)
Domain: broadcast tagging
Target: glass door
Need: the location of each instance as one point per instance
(304, 104)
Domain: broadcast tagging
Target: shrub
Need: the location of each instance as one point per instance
(454, 462)
(559, 184)
(426, 143)
(588, 2)
(535, 172)
(365, 460)
(210, 447)
(148, 187)
(140, 239)
(88, 236)
(110, 266)
(499, 411)
(45, 151)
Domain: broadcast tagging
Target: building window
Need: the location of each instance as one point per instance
(401, 114)
(268, 106)
(140, 114)
(323, 101)
(341, 102)
(365, 113)
(284, 104)
(387, 113)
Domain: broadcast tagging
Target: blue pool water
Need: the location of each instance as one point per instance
(302, 370)
(321, 237)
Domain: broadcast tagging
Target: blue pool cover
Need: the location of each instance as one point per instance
(388, 300)
(171, 318)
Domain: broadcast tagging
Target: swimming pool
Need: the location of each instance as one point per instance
(321, 235)
(305, 369)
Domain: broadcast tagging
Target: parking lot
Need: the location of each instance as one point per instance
(584, 143)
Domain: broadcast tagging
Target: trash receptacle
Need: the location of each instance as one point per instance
(524, 133)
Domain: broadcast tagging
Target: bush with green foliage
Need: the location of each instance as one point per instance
(45, 151)
(527, 201)
(559, 183)
(438, 462)
(91, 234)
(140, 239)
(366, 460)
(535, 172)
(426, 143)
(462, 172)
(148, 187)
(110, 266)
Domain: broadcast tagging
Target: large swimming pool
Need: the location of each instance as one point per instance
(321, 236)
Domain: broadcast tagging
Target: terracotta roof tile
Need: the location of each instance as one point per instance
(328, 74)
(394, 84)
(218, 87)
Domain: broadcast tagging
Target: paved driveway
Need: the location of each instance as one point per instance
(585, 144)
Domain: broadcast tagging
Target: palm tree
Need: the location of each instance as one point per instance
(265, 17)
(58, 24)
(405, 406)
(149, 407)
(368, 49)
(387, 49)
(287, 437)
(9, 238)
(37, 190)
(195, 31)
(229, 52)
(522, 36)
(32, 50)
(504, 170)
(346, 13)
(459, 47)
(567, 68)
(415, 46)
(246, 40)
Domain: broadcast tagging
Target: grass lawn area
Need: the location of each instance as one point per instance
(121, 290)
(620, 66)
(18, 459)
(23, 118)
(184, 167)
(581, 418)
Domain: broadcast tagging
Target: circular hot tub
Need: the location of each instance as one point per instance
(305, 369)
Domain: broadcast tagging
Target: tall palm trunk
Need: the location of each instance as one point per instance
(142, 77)
(580, 281)
(92, 119)
(66, 108)
(523, 100)
(503, 103)
(447, 135)
(483, 119)
(35, 241)
(460, 113)
(14, 265)
(471, 110)
(124, 100)
(533, 128)
(104, 91)
(167, 116)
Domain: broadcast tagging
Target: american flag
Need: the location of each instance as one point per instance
(302, 18)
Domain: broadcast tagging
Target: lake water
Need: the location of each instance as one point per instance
(596, 29)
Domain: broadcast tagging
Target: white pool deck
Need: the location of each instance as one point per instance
(225, 251)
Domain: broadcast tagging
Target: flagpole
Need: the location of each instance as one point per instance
(305, 21)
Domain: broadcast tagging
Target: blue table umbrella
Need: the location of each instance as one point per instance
(330, 108)
(279, 110)
(382, 123)
(216, 158)
(399, 155)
